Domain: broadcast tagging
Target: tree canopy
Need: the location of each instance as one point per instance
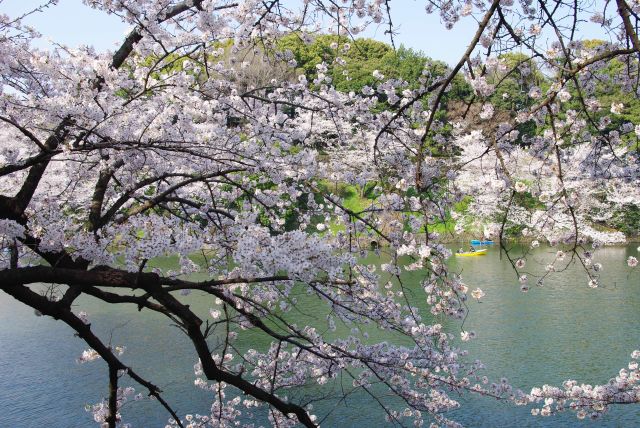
(200, 135)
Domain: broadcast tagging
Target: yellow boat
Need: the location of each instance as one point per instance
(481, 252)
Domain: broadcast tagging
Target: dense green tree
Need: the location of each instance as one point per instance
(351, 63)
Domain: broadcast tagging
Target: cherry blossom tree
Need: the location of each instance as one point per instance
(111, 159)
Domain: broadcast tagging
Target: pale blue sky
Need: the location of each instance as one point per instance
(72, 23)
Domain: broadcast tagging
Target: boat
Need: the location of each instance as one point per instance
(478, 242)
(481, 252)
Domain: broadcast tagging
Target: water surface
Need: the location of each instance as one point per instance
(563, 330)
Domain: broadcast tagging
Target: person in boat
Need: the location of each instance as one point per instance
(460, 251)
(472, 249)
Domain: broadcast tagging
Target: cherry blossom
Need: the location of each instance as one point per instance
(477, 294)
(198, 136)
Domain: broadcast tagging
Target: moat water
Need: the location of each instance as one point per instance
(563, 330)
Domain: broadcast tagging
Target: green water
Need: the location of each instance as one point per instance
(560, 331)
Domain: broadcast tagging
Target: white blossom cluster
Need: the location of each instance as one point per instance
(588, 401)
(100, 411)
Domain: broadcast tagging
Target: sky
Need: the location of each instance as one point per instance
(74, 24)
(70, 23)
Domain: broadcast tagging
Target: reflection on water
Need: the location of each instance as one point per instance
(560, 331)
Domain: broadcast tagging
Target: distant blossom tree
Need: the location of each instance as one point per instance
(179, 143)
